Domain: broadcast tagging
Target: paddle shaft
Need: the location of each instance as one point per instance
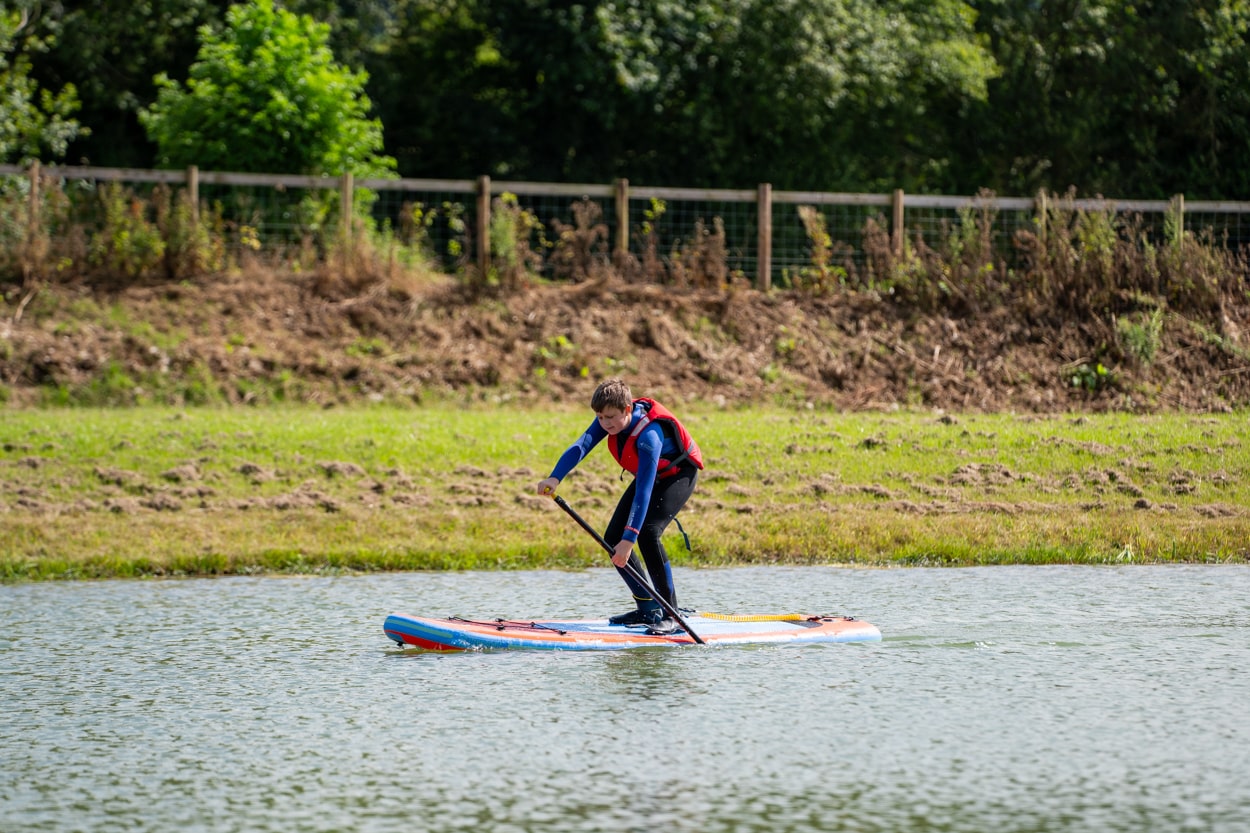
(629, 568)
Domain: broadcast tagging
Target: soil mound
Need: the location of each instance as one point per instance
(286, 338)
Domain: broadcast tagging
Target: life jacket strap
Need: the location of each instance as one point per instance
(682, 530)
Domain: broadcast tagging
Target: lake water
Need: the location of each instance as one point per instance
(1000, 699)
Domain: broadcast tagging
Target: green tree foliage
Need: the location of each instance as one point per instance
(1133, 98)
(570, 117)
(801, 93)
(33, 120)
(447, 96)
(267, 95)
(358, 28)
(111, 50)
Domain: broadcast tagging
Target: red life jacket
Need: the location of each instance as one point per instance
(625, 448)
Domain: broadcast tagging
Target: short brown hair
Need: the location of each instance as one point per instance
(611, 393)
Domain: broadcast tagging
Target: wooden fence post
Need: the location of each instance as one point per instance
(483, 226)
(32, 213)
(1043, 214)
(898, 230)
(764, 247)
(346, 209)
(193, 192)
(621, 196)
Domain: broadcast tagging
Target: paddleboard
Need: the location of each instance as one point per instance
(460, 634)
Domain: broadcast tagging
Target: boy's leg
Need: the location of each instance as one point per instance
(667, 499)
(648, 610)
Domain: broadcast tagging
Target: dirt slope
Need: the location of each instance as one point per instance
(285, 337)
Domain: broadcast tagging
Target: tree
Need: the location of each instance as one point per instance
(111, 50)
(267, 95)
(31, 119)
(358, 28)
(448, 97)
(803, 93)
(1132, 98)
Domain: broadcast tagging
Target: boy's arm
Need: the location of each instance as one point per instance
(575, 453)
(650, 444)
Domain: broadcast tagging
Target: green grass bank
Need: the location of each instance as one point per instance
(105, 493)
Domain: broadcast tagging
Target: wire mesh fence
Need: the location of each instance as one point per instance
(766, 237)
(433, 214)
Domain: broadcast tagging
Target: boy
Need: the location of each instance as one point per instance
(650, 443)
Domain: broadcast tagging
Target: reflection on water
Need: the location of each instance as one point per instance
(646, 675)
(1003, 699)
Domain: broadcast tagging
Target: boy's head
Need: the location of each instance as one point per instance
(612, 393)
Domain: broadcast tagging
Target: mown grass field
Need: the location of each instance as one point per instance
(164, 491)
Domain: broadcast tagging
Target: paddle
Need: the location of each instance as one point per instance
(629, 568)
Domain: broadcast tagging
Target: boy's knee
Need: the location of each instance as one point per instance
(613, 534)
(649, 541)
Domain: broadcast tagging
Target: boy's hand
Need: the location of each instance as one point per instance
(621, 553)
(547, 487)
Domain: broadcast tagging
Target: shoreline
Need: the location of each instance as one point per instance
(96, 493)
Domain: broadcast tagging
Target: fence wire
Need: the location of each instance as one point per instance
(686, 235)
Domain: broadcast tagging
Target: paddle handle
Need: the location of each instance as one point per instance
(629, 568)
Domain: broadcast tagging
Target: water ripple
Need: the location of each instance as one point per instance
(1004, 699)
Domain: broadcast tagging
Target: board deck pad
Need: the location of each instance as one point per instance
(462, 634)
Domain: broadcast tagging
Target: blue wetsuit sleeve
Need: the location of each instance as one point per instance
(650, 445)
(578, 450)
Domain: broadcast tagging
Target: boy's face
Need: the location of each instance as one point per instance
(613, 420)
